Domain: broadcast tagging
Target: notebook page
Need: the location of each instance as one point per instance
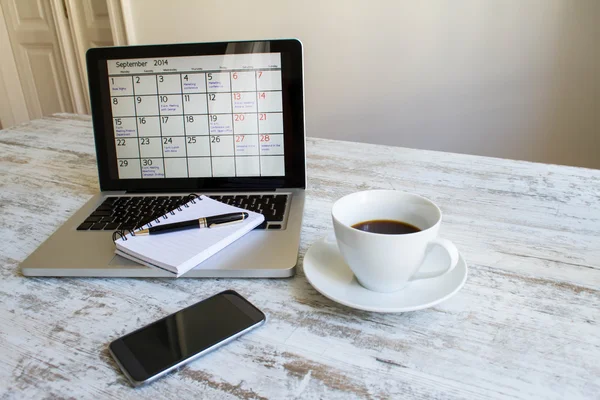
(182, 250)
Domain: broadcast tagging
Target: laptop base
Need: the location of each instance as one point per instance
(259, 254)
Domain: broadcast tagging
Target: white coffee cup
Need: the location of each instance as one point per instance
(388, 262)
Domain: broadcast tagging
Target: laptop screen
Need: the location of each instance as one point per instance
(198, 115)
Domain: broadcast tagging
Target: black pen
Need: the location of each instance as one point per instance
(207, 222)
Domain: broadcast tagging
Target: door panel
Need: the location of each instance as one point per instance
(44, 68)
(13, 108)
(30, 12)
(33, 36)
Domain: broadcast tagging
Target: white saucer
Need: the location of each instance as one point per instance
(327, 271)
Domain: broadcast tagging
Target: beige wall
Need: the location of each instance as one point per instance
(505, 78)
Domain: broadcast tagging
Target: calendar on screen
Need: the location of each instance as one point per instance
(198, 116)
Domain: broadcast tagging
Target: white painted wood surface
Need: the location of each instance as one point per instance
(526, 324)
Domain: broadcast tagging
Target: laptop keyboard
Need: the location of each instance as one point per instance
(129, 212)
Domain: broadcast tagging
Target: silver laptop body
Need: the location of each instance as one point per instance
(266, 253)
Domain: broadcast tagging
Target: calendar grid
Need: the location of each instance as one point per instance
(232, 126)
(225, 122)
(160, 128)
(212, 168)
(257, 124)
(137, 130)
(185, 139)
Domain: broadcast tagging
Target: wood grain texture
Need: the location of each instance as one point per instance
(526, 324)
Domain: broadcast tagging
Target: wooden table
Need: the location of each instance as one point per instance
(525, 325)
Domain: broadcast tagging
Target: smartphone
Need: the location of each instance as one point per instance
(156, 349)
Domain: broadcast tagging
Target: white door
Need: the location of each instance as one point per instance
(90, 27)
(13, 109)
(34, 40)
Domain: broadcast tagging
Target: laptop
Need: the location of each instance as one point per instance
(221, 119)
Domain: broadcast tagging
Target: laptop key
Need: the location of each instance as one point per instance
(282, 198)
(270, 215)
(111, 227)
(278, 206)
(120, 200)
(101, 213)
(92, 219)
(84, 226)
(277, 213)
(274, 226)
(119, 216)
(98, 226)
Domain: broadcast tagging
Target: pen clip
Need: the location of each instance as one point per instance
(215, 224)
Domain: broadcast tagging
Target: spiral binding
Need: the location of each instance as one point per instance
(123, 233)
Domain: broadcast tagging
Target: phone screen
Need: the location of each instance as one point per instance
(166, 343)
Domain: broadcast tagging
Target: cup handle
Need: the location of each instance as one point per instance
(452, 252)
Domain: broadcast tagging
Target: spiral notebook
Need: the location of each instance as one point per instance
(180, 251)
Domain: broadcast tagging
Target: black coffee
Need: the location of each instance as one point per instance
(387, 226)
